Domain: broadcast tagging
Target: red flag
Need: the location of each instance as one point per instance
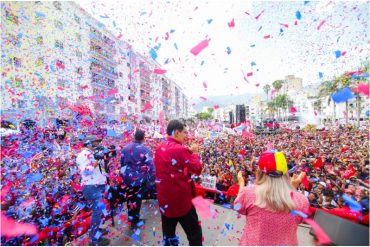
(318, 163)
(306, 183)
(349, 172)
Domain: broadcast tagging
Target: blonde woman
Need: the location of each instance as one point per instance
(268, 204)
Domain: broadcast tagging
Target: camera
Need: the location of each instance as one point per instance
(102, 153)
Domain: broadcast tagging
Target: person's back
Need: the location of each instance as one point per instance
(265, 227)
(134, 158)
(268, 204)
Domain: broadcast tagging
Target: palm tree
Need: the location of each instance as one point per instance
(271, 108)
(327, 88)
(277, 85)
(267, 89)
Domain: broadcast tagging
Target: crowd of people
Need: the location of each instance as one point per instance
(41, 183)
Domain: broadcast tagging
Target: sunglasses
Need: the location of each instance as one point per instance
(275, 174)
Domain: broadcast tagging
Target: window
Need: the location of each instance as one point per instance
(13, 39)
(58, 24)
(77, 19)
(79, 71)
(21, 103)
(18, 82)
(17, 62)
(40, 40)
(61, 82)
(78, 53)
(11, 17)
(59, 44)
(78, 37)
(57, 5)
(40, 61)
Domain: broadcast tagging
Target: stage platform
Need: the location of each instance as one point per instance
(225, 229)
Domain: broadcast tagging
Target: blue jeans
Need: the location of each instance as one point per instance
(94, 194)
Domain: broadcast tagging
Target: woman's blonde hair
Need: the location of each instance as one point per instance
(273, 193)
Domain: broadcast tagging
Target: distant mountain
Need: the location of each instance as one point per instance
(222, 100)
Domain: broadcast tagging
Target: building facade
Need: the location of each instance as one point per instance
(55, 54)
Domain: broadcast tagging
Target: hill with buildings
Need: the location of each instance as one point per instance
(221, 100)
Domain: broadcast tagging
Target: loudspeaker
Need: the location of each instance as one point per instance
(240, 113)
(231, 117)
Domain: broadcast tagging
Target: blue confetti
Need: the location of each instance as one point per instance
(296, 212)
(202, 62)
(253, 64)
(227, 226)
(353, 205)
(228, 50)
(306, 2)
(97, 235)
(172, 30)
(298, 15)
(175, 45)
(173, 162)
(111, 133)
(39, 14)
(237, 206)
(135, 237)
(153, 54)
(321, 75)
(338, 53)
(209, 21)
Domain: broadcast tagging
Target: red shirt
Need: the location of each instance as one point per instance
(174, 164)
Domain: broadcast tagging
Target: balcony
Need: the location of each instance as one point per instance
(100, 58)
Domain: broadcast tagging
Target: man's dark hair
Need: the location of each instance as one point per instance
(174, 125)
(139, 135)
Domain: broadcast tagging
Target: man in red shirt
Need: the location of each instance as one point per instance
(175, 163)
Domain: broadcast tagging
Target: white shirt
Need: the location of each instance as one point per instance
(89, 175)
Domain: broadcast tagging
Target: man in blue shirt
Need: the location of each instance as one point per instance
(137, 165)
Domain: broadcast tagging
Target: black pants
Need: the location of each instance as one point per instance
(134, 198)
(189, 223)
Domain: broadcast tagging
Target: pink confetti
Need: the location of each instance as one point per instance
(320, 25)
(293, 109)
(319, 232)
(249, 74)
(363, 88)
(231, 23)
(257, 85)
(284, 25)
(259, 15)
(146, 107)
(159, 71)
(216, 107)
(113, 91)
(11, 228)
(267, 36)
(204, 84)
(199, 47)
(167, 36)
(119, 36)
(203, 98)
(202, 206)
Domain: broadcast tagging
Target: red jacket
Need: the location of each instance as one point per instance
(174, 164)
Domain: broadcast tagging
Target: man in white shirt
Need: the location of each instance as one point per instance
(93, 181)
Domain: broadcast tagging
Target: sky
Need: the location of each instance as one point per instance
(269, 39)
